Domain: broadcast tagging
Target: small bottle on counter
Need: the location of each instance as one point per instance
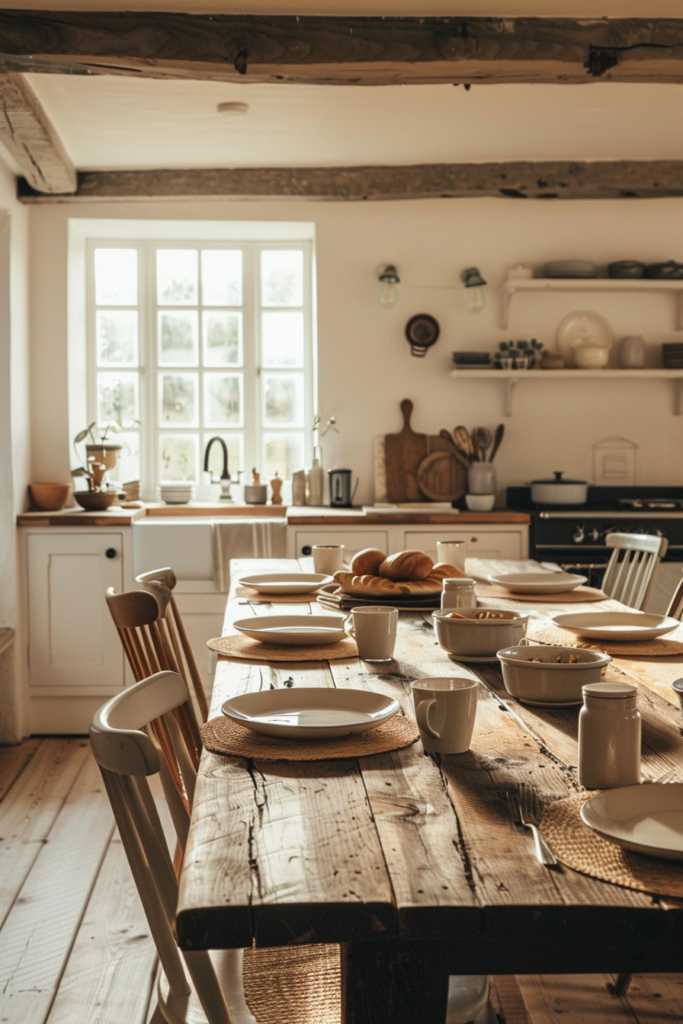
(609, 736)
(458, 592)
(315, 481)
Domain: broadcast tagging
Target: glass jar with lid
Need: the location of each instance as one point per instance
(609, 736)
(458, 592)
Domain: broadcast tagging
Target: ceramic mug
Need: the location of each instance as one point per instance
(445, 709)
(374, 628)
(452, 552)
(328, 558)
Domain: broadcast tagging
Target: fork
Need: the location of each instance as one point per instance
(523, 805)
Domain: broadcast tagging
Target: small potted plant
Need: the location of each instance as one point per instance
(101, 456)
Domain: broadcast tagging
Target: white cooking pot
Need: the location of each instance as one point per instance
(559, 491)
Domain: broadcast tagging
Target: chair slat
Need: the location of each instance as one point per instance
(630, 570)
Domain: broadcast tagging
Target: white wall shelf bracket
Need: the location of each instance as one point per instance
(595, 284)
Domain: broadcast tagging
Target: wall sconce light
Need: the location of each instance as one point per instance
(388, 286)
(474, 284)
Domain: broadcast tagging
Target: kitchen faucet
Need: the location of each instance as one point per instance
(225, 480)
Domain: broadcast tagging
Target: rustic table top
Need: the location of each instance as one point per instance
(404, 847)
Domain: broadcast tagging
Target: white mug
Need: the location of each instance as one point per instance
(452, 552)
(445, 710)
(374, 627)
(328, 558)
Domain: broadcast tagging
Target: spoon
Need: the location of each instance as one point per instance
(500, 430)
(458, 454)
(463, 441)
(483, 438)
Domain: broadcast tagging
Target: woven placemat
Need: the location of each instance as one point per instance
(580, 594)
(257, 596)
(580, 848)
(245, 647)
(659, 648)
(293, 984)
(223, 736)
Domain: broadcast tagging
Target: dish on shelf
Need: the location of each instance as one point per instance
(626, 269)
(310, 712)
(582, 329)
(570, 268)
(538, 582)
(646, 819)
(285, 582)
(471, 358)
(615, 626)
(293, 630)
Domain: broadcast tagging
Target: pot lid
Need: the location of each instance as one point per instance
(558, 480)
(610, 691)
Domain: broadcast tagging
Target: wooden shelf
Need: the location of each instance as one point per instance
(511, 378)
(592, 284)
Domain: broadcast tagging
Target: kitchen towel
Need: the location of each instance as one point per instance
(245, 538)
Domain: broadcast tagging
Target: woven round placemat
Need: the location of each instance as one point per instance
(580, 594)
(293, 984)
(223, 736)
(245, 647)
(580, 848)
(256, 595)
(659, 648)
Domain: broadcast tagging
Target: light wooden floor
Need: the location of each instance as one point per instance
(74, 944)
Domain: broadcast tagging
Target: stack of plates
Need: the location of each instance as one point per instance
(570, 268)
(331, 596)
(285, 582)
(538, 582)
(672, 355)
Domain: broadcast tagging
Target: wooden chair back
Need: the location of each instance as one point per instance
(127, 757)
(675, 609)
(161, 583)
(631, 567)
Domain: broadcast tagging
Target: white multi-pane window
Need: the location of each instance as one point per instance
(192, 340)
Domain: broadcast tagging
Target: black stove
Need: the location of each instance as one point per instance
(574, 535)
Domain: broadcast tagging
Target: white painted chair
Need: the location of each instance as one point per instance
(631, 567)
(675, 609)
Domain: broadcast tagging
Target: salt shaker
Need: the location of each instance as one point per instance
(458, 592)
(609, 736)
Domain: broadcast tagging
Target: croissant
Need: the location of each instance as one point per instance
(379, 586)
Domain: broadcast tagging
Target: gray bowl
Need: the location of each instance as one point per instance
(533, 675)
(478, 638)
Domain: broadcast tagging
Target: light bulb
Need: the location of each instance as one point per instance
(388, 286)
(476, 299)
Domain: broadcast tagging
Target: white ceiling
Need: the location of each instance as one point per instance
(109, 122)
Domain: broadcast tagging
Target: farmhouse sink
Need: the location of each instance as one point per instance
(183, 542)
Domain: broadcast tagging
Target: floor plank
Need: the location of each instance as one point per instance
(13, 760)
(575, 999)
(39, 930)
(656, 998)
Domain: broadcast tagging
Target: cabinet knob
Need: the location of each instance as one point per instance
(307, 550)
(110, 552)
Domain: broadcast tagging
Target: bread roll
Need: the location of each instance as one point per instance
(367, 562)
(406, 566)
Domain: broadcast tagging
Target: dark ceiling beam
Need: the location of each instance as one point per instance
(27, 134)
(366, 51)
(518, 180)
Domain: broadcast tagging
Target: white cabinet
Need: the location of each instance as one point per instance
(354, 539)
(482, 542)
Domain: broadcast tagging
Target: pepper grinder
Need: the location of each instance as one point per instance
(276, 485)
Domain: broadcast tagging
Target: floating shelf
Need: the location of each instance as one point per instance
(511, 378)
(592, 284)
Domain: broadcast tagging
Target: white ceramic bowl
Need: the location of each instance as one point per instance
(480, 502)
(176, 494)
(591, 357)
(533, 674)
(477, 638)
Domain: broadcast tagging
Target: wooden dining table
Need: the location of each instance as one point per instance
(412, 862)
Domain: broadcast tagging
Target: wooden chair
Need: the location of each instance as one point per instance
(127, 757)
(631, 567)
(161, 583)
(675, 608)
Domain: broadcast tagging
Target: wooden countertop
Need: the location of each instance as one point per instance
(354, 517)
(79, 517)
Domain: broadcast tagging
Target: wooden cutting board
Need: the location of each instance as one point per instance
(402, 453)
(441, 477)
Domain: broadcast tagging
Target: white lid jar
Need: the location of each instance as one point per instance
(609, 736)
(458, 592)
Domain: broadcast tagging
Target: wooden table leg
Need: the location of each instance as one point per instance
(394, 982)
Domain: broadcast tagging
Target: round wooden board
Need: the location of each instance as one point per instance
(441, 477)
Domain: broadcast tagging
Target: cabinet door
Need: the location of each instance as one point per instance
(353, 540)
(72, 639)
(480, 543)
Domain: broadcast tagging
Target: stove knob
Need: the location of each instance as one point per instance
(579, 535)
(595, 535)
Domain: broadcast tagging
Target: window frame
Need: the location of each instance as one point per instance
(254, 430)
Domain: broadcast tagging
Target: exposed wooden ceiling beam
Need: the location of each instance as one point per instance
(367, 51)
(557, 180)
(27, 134)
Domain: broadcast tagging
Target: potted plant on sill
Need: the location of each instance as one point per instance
(101, 456)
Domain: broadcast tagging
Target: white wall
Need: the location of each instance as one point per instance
(365, 363)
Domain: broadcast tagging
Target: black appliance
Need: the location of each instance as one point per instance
(574, 536)
(341, 495)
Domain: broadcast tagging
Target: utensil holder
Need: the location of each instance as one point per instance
(481, 478)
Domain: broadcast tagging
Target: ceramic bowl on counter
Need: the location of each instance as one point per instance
(480, 502)
(176, 494)
(471, 636)
(550, 676)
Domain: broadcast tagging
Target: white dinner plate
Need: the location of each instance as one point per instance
(285, 582)
(647, 818)
(616, 625)
(310, 712)
(538, 582)
(293, 629)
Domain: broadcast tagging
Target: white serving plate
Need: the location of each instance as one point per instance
(293, 629)
(310, 712)
(538, 582)
(616, 625)
(646, 819)
(285, 582)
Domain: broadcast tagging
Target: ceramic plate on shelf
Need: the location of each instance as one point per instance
(579, 329)
(617, 625)
(646, 819)
(285, 582)
(311, 712)
(293, 629)
(538, 582)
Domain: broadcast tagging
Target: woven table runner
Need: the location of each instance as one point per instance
(580, 594)
(223, 736)
(580, 848)
(245, 647)
(662, 647)
(258, 598)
